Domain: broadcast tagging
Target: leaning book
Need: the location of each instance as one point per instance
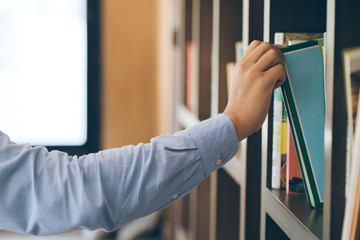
(288, 39)
(304, 97)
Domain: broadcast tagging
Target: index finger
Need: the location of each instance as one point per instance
(254, 44)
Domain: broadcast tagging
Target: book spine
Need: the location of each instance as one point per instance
(278, 161)
(276, 138)
(294, 181)
(283, 145)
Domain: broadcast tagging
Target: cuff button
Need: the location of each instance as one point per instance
(218, 162)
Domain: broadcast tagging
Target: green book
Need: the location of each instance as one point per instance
(304, 97)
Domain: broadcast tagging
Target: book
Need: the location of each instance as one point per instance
(351, 66)
(352, 206)
(294, 182)
(276, 140)
(291, 38)
(288, 39)
(279, 148)
(304, 97)
(283, 144)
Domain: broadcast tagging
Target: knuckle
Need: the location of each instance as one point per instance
(240, 67)
(274, 55)
(267, 45)
(255, 42)
(252, 74)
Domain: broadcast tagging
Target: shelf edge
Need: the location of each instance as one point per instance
(285, 219)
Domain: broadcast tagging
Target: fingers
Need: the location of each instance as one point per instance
(266, 58)
(250, 48)
(269, 59)
(259, 51)
(275, 76)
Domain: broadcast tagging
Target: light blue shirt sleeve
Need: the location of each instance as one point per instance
(44, 192)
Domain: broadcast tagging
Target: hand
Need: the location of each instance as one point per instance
(256, 75)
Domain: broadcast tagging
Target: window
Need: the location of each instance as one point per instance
(49, 73)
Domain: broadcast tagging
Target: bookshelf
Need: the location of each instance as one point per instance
(285, 215)
(217, 208)
(237, 202)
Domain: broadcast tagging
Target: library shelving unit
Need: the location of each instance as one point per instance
(286, 216)
(227, 204)
(237, 202)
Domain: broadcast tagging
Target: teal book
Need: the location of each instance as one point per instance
(304, 97)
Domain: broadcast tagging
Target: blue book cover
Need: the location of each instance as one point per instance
(304, 96)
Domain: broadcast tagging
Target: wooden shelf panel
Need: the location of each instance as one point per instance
(293, 214)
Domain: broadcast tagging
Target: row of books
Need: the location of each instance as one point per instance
(286, 172)
(299, 118)
(299, 124)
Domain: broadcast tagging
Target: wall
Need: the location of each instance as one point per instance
(129, 73)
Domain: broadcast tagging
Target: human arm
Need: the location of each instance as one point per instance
(45, 192)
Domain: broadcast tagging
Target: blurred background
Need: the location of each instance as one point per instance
(107, 64)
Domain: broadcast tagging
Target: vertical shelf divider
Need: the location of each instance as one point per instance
(329, 61)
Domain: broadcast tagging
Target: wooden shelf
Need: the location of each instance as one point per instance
(293, 215)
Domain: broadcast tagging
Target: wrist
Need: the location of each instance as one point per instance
(237, 125)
